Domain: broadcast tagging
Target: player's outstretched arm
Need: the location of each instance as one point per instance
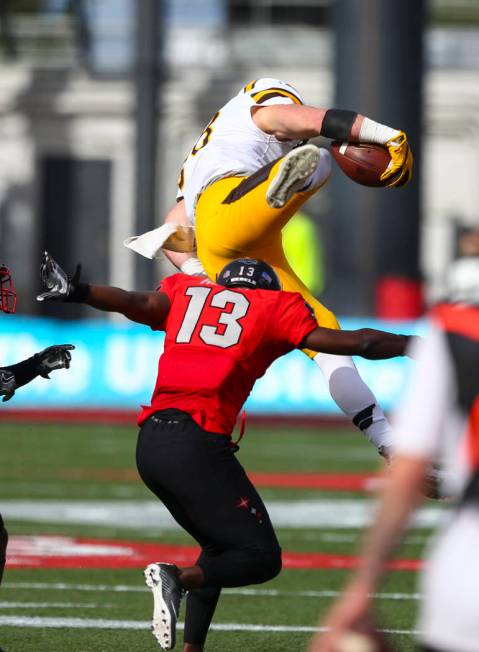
(365, 342)
(295, 122)
(144, 307)
(50, 359)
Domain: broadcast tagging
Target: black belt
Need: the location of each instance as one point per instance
(170, 415)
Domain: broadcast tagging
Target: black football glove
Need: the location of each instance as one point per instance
(57, 283)
(8, 384)
(54, 357)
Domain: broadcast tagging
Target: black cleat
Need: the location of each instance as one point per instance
(167, 591)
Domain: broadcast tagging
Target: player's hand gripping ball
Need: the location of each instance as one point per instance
(370, 165)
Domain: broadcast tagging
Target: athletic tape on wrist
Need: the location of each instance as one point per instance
(374, 132)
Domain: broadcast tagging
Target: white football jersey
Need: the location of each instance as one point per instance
(231, 144)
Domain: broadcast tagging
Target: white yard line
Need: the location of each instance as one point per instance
(100, 623)
(296, 514)
(125, 588)
(52, 605)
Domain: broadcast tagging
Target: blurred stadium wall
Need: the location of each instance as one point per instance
(68, 128)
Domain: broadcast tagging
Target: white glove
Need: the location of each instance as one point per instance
(171, 236)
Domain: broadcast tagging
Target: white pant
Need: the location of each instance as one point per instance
(449, 615)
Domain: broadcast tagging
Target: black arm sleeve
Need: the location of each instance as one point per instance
(337, 124)
(24, 371)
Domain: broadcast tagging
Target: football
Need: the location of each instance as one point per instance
(362, 162)
(356, 642)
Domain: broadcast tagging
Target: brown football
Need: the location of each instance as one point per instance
(362, 162)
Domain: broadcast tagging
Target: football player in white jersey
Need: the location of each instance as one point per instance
(437, 421)
(245, 177)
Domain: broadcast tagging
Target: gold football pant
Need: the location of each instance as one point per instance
(233, 220)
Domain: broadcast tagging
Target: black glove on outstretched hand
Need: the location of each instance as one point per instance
(40, 364)
(57, 283)
(8, 384)
(53, 357)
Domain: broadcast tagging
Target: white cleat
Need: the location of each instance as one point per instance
(293, 171)
(167, 591)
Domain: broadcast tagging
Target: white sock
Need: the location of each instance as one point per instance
(354, 397)
(321, 174)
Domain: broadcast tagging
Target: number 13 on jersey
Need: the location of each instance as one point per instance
(227, 330)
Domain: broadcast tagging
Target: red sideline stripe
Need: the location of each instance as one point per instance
(129, 417)
(332, 481)
(66, 552)
(325, 481)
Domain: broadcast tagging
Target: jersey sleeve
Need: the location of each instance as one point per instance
(167, 286)
(268, 91)
(294, 319)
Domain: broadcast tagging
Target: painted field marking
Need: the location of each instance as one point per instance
(125, 588)
(361, 482)
(70, 552)
(315, 513)
(100, 623)
(52, 605)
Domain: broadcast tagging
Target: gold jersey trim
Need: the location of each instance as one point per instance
(249, 86)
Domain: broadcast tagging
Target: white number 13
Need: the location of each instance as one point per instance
(209, 334)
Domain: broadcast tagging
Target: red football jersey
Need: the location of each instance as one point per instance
(218, 342)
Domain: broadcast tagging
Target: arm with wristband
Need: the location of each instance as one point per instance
(298, 122)
(148, 308)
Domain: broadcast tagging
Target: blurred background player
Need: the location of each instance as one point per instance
(234, 329)
(445, 380)
(14, 376)
(246, 176)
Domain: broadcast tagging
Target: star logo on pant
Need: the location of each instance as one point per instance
(243, 503)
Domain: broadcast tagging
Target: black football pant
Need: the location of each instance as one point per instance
(3, 546)
(197, 476)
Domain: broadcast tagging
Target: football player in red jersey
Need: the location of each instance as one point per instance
(247, 174)
(220, 337)
(14, 376)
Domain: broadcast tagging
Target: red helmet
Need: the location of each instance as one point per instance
(8, 296)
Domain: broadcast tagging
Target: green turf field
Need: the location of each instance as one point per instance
(96, 610)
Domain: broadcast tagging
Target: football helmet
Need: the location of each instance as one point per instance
(8, 296)
(249, 273)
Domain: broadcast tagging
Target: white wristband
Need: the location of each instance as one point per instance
(374, 132)
(192, 266)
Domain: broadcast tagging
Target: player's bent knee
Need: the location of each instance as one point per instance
(267, 564)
